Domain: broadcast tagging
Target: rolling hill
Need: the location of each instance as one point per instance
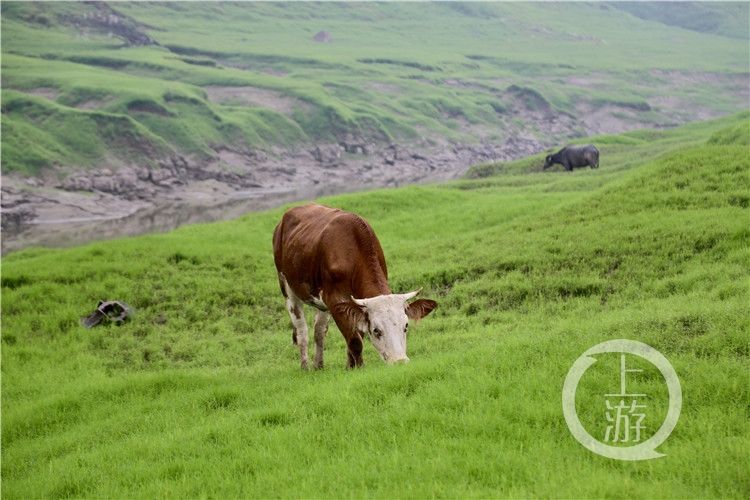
(132, 83)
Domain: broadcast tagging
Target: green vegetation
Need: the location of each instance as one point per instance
(620, 149)
(201, 394)
(726, 19)
(393, 71)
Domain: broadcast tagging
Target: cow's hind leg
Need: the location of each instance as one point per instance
(294, 306)
(299, 325)
(285, 293)
(321, 328)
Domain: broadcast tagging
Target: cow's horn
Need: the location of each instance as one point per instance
(410, 295)
(359, 302)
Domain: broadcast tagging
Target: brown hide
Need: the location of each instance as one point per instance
(329, 254)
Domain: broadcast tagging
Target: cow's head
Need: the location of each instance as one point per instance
(385, 319)
(548, 161)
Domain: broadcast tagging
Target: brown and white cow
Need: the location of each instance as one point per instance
(331, 259)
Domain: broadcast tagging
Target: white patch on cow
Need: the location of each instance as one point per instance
(388, 324)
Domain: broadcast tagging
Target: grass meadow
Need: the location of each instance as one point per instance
(201, 394)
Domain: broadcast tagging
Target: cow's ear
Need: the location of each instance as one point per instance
(355, 313)
(420, 308)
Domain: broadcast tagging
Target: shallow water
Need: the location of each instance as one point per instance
(159, 219)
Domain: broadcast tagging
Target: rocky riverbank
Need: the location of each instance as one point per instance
(108, 202)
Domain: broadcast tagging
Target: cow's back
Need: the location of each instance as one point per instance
(579, 156)
(314, 244)
(298, 235)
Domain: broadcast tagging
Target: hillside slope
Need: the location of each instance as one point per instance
(201, 394)
(724, 19)
(195, 79)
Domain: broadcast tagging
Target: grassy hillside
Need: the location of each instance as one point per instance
(194, 77)
(201, 394)
(726, 19)
(631, 148)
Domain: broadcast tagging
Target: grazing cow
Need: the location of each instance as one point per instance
(331, 260)
(571, 157)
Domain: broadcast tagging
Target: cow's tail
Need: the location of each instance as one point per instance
(277, 249)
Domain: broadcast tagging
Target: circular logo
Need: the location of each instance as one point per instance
(642, 451)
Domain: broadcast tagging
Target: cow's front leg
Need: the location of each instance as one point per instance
(321, 328)
(354, 352)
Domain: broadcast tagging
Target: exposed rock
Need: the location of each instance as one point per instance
(77, 183)
(160, 176)
(16, 217)
(103, 183)
(327, 153)
(355, 147)
(322, 37)
(143, 173)
(391, 154)
(105, 20)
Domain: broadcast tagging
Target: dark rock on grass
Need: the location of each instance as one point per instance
(110, 311)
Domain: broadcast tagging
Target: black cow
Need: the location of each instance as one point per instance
(571, 157)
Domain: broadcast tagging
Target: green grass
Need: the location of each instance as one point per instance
(201, 394)
(619, 149)
(727, 19)
(393, 72)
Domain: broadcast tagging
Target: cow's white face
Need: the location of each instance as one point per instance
(388, 324)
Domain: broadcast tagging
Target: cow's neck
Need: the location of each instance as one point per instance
(369, 289)
(370, 281)
(363, 285)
